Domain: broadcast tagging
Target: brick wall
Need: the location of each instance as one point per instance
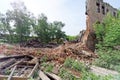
(97, 10)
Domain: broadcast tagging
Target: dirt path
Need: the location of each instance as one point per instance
(102, 71)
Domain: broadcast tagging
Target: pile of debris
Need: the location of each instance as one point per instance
(22, 67)
(35, 43)
(32, 43)
(59, 54)
(81, 50)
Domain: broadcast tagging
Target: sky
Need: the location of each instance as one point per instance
(70, 12)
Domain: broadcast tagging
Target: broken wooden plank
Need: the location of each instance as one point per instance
(53, 76)
(16, 57)
(10, 77)
(33, 70)
(43, 76)
(7, 64)
(22, 66)
(22, 71)
(2, 77)
(14, 64)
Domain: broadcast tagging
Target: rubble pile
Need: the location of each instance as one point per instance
(35, 43)
(32, 43)
(58, 54)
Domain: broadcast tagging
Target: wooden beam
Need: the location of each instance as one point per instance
(22, 71)
(7, 64)
(33, 70)
(10, 77)
(14, 64)
(53, 76)
(43, 76)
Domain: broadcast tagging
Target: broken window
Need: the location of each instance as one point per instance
(107, 10)
(103, 9)
(86, 11)
(98, 7)
(114, 14)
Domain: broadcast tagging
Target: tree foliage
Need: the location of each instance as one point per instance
(49, 31)
(18, 24)
(22, 20)
(108, 33)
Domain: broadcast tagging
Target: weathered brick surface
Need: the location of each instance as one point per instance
(97, 10)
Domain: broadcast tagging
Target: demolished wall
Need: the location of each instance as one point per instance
(97, 10)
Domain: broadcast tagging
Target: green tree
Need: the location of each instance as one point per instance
(41, 28)
(49, 31)
(6, 29)
(21, 19)
(56, 31)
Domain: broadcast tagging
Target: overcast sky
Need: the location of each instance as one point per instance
(70, 12)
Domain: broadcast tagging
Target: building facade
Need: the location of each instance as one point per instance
(97, 10)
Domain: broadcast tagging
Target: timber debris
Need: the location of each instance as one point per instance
(21, 67)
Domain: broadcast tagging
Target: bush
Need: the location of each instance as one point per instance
(65, 75)
(108, 33)
(91, 76)
(85, 72)
(108, 58)
(71, 38)
(108, 36)
(48, 67)
(74, 64)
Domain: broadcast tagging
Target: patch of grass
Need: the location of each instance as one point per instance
(108, 58)
(35, 74)
(91, 76)
(74, 64)
(117, 77)
(65, 75)
(44, 58)
(84, 70)
(48, 67)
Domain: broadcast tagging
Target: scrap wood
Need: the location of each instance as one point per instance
(14, 64)
(33, 70)
(22, 71)
(7, 64)
(10, 76)
(53, 76)
(43, 76)
(78, 51)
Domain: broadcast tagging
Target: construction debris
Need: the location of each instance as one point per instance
(43, 76)
(53, 76)
(24, 67)
(35, 43)
(13, 67)
(21, 68)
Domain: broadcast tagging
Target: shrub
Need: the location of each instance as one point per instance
(74, 64)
